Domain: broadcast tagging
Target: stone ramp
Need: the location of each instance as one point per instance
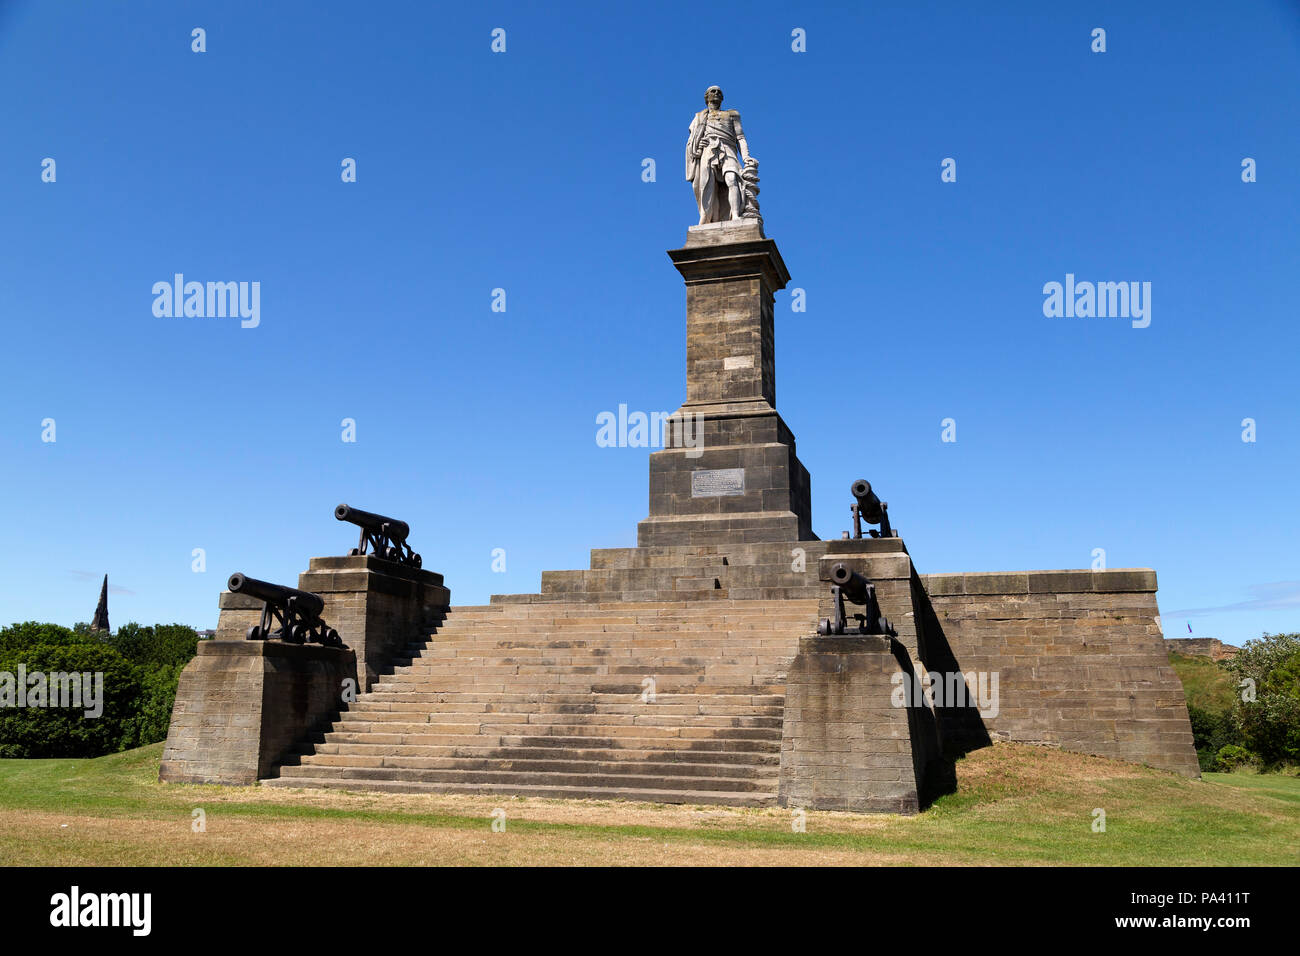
(547, 700)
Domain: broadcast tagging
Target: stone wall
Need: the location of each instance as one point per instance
(241, 706)
(1210, 647)
(1079, 658)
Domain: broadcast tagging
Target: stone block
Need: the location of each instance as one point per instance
(242, 706)
(850, 747)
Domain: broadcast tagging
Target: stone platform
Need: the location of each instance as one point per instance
(687, 669)
(544, 694)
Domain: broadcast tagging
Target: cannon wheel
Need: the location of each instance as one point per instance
(354, 553)
(417, 561)
(296, 634)
(255, 633)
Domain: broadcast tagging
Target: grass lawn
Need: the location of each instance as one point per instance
(1014, 805)
(1207, 684)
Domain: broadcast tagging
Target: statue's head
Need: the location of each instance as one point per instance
(713, 97)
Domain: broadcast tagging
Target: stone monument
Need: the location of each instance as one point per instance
(692, 668)
(744, 482)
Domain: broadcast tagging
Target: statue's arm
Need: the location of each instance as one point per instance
(740, 138)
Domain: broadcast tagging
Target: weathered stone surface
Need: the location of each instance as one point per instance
(241, 706)
(729, 422)
(1079, 657)
(378, 607)
(1210, 647)
(845, 745)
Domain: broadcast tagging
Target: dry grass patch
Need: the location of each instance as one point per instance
(1013, 804)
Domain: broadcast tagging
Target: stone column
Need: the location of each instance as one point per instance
(742, 482)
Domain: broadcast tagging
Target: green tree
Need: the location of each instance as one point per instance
(1270, 724)
(46, 731)
(140, 667)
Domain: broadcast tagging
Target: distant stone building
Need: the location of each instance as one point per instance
(1210, 647)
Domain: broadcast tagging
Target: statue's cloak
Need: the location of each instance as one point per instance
(728, 147)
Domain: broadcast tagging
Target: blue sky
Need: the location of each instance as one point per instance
(523, 170)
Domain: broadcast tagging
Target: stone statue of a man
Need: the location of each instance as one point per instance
(716, 154)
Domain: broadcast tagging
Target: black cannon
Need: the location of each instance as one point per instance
(387, 536)
(298, 612)
(848, 585)
(870, 509)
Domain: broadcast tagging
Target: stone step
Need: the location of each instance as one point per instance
(588, 649)
(616, 607)
(645, 718)
(730, 621)
(527, 778)
(488, 667)
(394, 703)
(414, 691)
(542, 696)
(587, 792)
(598, 754)
(542, 762)
(625, 558)
(608, 597)
(550, 741)
(565, 724)
(775, 684)
(670, 582)
(735, 555)
(470, 681)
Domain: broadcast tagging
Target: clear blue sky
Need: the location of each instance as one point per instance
(522, 171)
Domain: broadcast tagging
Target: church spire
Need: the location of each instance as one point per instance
(100, 623)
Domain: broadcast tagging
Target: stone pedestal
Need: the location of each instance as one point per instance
(845, 745)
(241, 706)
(378, 607)
(860, 732)
(728, 471)
(886, 564)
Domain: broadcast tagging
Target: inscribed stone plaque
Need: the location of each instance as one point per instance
(714, 482)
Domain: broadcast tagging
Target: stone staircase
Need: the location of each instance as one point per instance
(737, 572)
(551, 699)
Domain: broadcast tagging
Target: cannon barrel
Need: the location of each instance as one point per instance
(396, 531)
(851, 584)
(868, 503)
(309, 605)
